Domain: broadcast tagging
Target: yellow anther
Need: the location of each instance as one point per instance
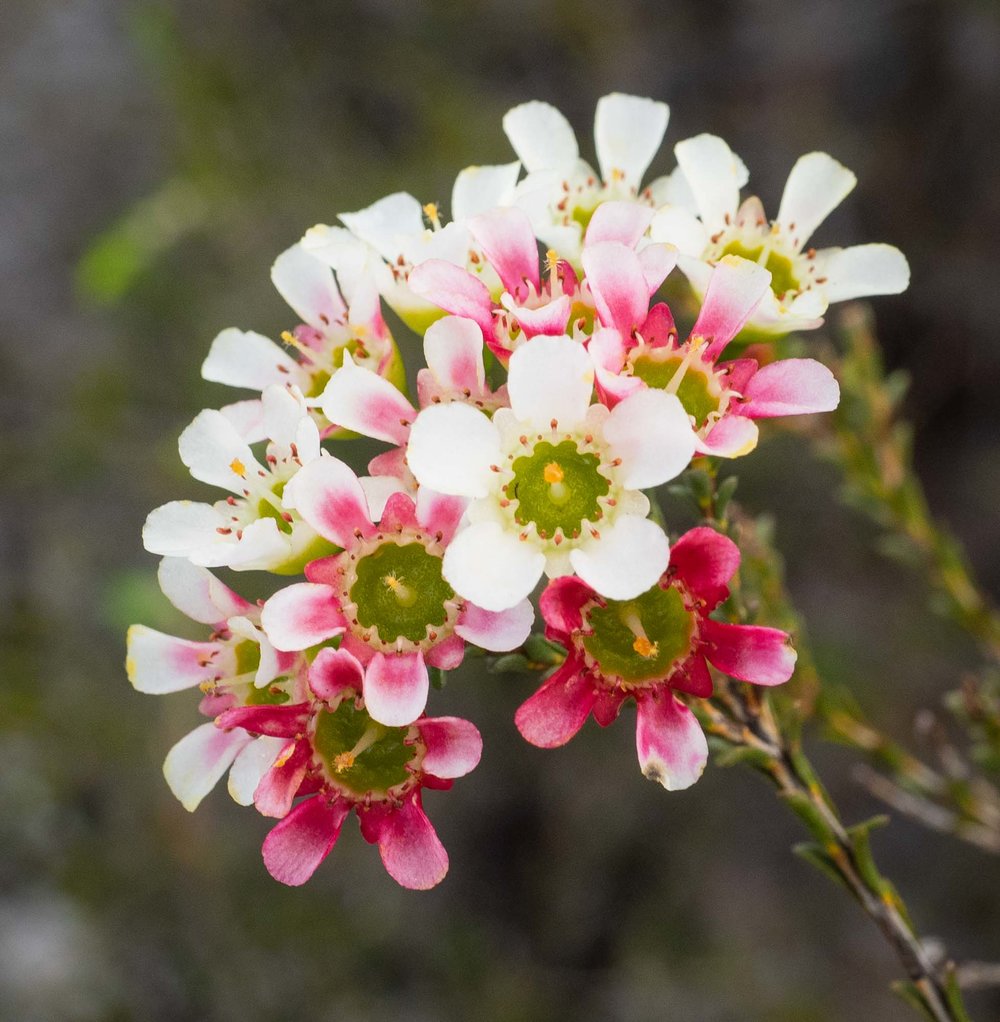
(289, 338)
(403, 593)
(238, 467)
(617, 174)
(553, 473)
(343, 761)
(433, 214)
(645, 648)
(552, 261)
(285, 756)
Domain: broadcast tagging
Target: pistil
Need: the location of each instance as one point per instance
(630, 618)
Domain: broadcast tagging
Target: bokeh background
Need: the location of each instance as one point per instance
(155, 158)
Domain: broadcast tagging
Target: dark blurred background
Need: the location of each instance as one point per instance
(156, 157)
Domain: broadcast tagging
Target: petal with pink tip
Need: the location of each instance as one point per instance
(279, 786)
(249, 767)
(455, 290)
(509, 244)
(302, 840)
(332, 671)
(560, 605)
(541, 136)
(731, 437)
(157, 663)
(411, 851)
(454, 746)
(558, 709)
(195, 764)
(549, 319)
(196, 592)
(815, 187)
(399, 513)
(762, 656)
(440, 513)
(301, 615)
(628, 131)
(266, 719)
(793, 386)
(705, 560)
(453, 349)
(492, 567)
(618, 285)
(242, 358)
(451, 449)
(624, 222)
(308, 286)
(652, 434)
(735, 289)
(448, 654)
(215, 453)
(550, 378)
(358, 399)
(671, 745)
(327, 494)
(626, 560)
(395, 689)
(497, 631)
(712, 171)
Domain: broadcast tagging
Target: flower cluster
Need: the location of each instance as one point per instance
(556, 394)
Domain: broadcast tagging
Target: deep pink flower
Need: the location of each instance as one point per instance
(645, 649)
(342, 760)
(384, 593)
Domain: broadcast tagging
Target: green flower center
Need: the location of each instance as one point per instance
(557, 487)
(698, 391)
(272, 509)
(360, 754)
(783, 278)
(399, 590)
(642, 639)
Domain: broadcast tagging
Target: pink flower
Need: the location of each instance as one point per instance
(645, 649)
(559, 302)
(341, 759)
(722, 398)
(385, 592)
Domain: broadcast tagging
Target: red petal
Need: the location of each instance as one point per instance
(705, 560)
(303, 839)
(558, 709)
(763, 656)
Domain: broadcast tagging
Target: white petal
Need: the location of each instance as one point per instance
(247, 418)
(451, 449)
(478, 189)
(541, 136)
(677, 226)
(283, 410)
(157, 663)
(215, 453)
(490, 566)
(195, 764)
(250, 766)
(181, 527)
(628, 131)
(384, 223)
(242, 358)
(652, 434)
(550, 378)
(815, 187)
(353, 260)
(712, 171)
(378, 489)
(307, 284)
(628, 559)
(196, 592)
(864, 270)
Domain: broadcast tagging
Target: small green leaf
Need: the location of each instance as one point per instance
(437, 677)
(910, 993)
(510, 663)
(815, 856)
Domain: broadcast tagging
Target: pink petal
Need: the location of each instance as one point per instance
(549, 319)
(455, 290)
(735, 288)
(333, 671)
(453, 350)
(358, 399)
(731, 437)
(396, 687)
(389, 463)
(197, 593)
(508, 242)
(671, 745)
(558, 709)
(327, 494)
(658, 329)
(453, 746)
(277, 721)
(763, 656)
(447, 654)
(705, 561)
(411, 852)
(279, 786)
(793, 386)
(302, 615)
(624, 222)
(497, 631)
(398, 514)
(303, 839)
(157, 663)
(560, 604)
(692, 676)
(608, 705)
(618, 285)
(440, 513)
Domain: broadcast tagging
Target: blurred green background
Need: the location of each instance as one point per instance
(156, 157)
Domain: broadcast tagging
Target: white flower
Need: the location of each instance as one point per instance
(706, 222)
